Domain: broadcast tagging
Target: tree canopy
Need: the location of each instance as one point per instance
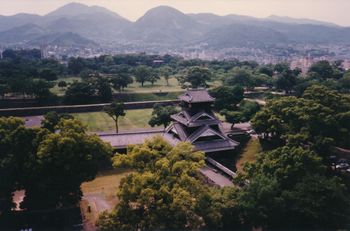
(41, 161)
(319, 117)
(227, 97)
(161, 115)
(290, 187)
(198, 76)
(165, 192)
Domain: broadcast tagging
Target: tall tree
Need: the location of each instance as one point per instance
(121, 81)
(52, 118)
(63, 161)
(154, 76)
(198, 76)
(142, 74)
(166, 71)
(322, 69)
(227, 97)
(115, 110)
(240, 76)
(161, 115)
(8, 130)
(79, 93)
(290, 187)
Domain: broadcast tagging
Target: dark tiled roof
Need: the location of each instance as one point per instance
(196, 96)
(180, 130)
(195, 120)
(217, 145)
(122, 140)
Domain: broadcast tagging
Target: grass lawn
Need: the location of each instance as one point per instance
(61, 91)
(100, 121)
(249, 152)
(135, 87)
(100, 194)
(160, 85)
(106, 183)
(149, 96)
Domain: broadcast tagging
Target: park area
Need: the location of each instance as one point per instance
(135, 87)
(101, 122)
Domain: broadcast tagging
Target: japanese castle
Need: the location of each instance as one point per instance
(197, 124)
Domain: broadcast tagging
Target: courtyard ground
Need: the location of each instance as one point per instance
(100, 195)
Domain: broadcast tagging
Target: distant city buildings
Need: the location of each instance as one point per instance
(301, 56)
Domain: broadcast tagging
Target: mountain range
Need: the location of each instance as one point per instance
(76, 24)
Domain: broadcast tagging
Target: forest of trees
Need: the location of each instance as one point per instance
(49, 163)
(290, 186)
(25, 74)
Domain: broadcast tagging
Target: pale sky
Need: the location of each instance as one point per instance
(336, 11)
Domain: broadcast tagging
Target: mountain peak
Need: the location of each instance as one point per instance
(162, 11)
(164, 15)
(164, 8)
(74, 9)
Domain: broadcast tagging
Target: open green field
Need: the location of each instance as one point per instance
(249, 153)
(160, 85)
(61, 91)
(101, 122)
(135, 87)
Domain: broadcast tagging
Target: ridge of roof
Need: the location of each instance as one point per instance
(196, 96)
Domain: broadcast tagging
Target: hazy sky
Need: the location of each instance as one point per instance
(336, 11)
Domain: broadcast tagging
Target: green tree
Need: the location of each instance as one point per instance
(8, 130)
(345, 81)
(4, 89)
(142, 74)
(244, 112)
(290, 187)
(165, 72)
(308, 120)
(41, 89)
(121, 81)
(227, 97)
(240, 76)
(48, 74)
(79, 93)
(76, 65)
(52, 118)
(161, 115)
(154, 76)
(104, 90)
(286, 80)
(198, 76)
(323, 69)
(266, 69)
(62, 84)
(233, 117)
(63, 161)
(115, 110)
(165, 192)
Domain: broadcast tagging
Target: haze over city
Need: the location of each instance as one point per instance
(332, 11)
